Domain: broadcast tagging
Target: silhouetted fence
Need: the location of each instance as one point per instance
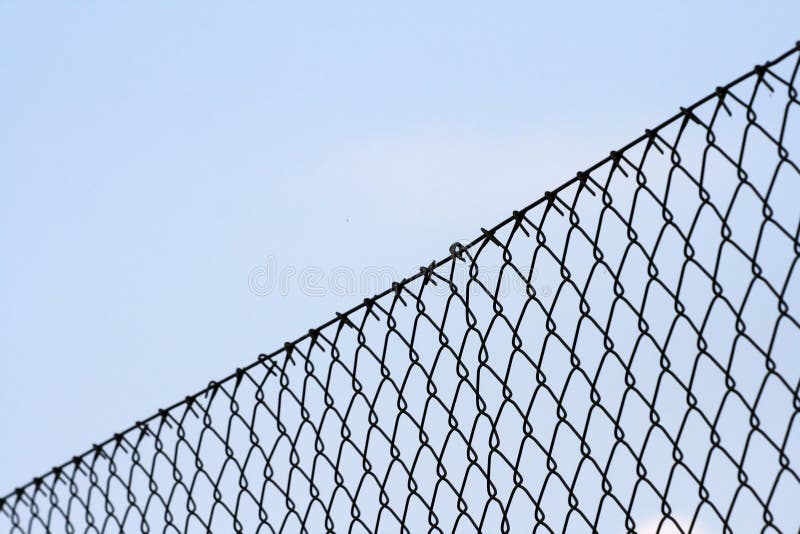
(643, 373)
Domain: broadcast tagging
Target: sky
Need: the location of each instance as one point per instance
(185, 186)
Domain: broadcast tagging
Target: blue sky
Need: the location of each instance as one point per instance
(153, 157)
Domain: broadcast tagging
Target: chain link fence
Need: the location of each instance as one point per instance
(655, 387)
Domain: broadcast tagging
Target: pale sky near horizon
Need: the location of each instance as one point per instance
(153, 156)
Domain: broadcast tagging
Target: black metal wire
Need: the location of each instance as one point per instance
(619, 355)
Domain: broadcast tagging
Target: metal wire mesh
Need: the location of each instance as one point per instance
(620, 355)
